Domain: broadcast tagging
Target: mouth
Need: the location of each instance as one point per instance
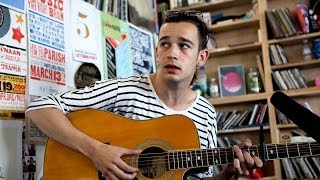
(172, 67)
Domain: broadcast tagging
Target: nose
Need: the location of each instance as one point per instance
(173, 52)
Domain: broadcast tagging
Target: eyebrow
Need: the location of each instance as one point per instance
(180, 39)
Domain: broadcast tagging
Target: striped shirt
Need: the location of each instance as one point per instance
(135, 98)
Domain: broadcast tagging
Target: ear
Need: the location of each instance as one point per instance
(202, 57)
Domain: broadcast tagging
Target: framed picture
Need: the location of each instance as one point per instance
(232, 80)
(142, 49)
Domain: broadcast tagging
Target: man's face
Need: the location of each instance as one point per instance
(178, 51)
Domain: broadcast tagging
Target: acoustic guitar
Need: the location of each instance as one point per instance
(170, 146)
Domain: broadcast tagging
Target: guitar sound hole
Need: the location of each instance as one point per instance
(152, 162)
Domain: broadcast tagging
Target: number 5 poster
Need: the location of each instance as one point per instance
(86, 44)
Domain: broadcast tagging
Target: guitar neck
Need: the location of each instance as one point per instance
(181, 159)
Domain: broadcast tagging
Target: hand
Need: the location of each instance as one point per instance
(107, 160)
(245, 163)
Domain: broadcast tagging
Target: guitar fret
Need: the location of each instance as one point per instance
(168, 156)
(174, 160)
(187, 160)
(201, 157)
(310, 148)
(191, 159)
(225, 150)
(267, 152)
(182, 159)
(178, 163)
(213, 159)
(287, 149)
(277, 151)
(207, 157)
(219, 156)
(233, 154)
(298, 149)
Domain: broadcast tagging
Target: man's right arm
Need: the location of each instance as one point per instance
(55, 125)
(106, 158)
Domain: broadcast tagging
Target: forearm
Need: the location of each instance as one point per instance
(56, 126)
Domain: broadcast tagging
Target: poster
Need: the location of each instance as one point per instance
(142, 48)
(86, 64)
(12, 28)
(47, 57)
(232, 80)
(83, 31)
(12, 92)
(117, 44)
(11, 150)
(18, 5)
(13, 60)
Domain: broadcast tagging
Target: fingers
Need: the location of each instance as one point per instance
(245, 163)
(240, 167)
(247, 143)
(109, 161)
(258, 162)
(124, 166)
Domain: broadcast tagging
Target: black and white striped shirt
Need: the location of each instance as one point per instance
(134, 98)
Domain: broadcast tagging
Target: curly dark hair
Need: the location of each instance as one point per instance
(191, 16)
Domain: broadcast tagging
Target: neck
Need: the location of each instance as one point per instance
(177, 96)
(207, 157)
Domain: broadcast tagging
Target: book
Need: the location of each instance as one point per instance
(261, 70)
(302, 13)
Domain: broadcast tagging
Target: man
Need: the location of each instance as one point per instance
(181, 50)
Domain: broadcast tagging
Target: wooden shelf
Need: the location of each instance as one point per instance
(294, 39)
(235, 25)
(310, 91)
(217, 4)
(239, 130)
(303, 64)
(238, 99)
(237, 49)
(286, 126)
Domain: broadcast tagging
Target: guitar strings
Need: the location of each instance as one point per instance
(163, 157)
(279, 147)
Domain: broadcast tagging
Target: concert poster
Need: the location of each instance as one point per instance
(47, 56)
(86, 66)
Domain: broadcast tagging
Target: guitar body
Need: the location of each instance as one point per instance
(158, 135)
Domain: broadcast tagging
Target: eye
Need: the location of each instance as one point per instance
(164, 44)
(184, 46)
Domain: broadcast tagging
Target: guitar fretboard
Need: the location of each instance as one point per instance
(182, 159)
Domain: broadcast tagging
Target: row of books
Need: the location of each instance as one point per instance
(277, 55)
(283, 23)
(237, 119)
(301, 168)
(289, 79)
(117, 8)
(184, 3)
(97, 3)
(282, 119)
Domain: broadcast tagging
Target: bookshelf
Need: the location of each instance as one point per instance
(253, 37)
